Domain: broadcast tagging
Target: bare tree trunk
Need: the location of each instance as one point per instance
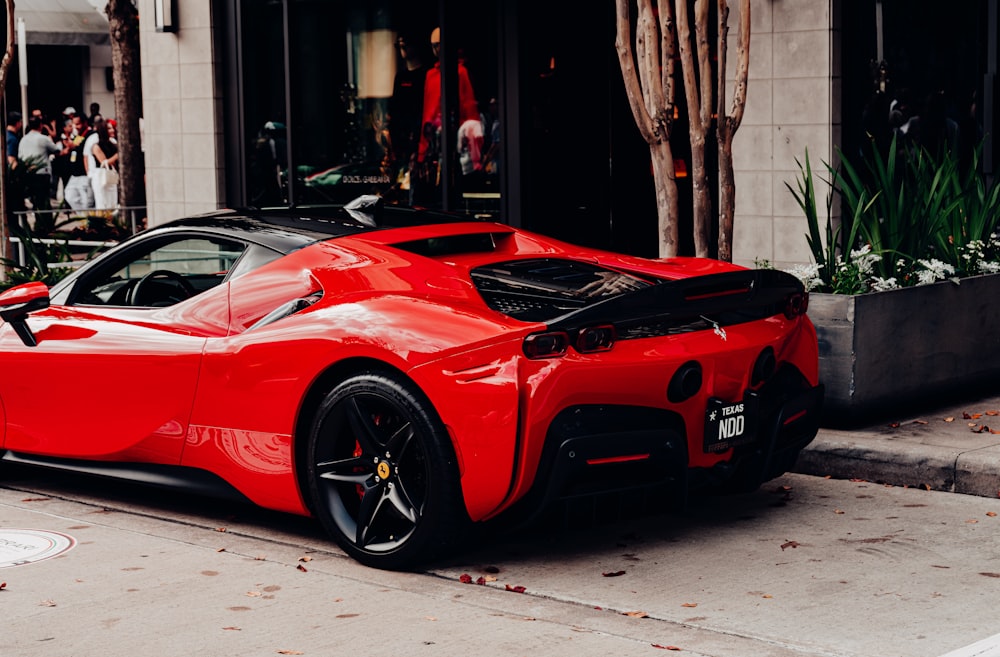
(729, 124)
(665, 183)
(699, 94)
(650, 91)
(123, 20)
(8, 56)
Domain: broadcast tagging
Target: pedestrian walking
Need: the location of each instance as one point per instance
(36, 150)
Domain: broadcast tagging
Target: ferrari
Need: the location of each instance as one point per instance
(402, 375)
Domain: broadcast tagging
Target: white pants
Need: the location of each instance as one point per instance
(78, 193)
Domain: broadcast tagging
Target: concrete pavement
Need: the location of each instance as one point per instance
(954, 447)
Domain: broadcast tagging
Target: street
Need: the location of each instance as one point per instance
(805, 566)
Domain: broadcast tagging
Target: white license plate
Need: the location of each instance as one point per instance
(728, 424)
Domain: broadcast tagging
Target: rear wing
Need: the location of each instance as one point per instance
(691, 304)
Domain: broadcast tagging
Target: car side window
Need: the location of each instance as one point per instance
(164, 274)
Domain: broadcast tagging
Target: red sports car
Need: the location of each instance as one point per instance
(399, 373)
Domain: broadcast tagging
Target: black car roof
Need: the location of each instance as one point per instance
(288, 229)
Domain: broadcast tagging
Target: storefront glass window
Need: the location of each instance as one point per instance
(360, 111)
(264, 102)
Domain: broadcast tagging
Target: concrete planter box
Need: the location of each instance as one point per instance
(885, 350)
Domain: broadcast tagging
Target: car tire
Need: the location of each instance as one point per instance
(383, 476)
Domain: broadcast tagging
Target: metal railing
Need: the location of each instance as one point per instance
(74, 230)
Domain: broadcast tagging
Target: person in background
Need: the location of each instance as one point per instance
(95, 111)
(79, 194)
(38, 148)
(60, 163)
(105, 153)
(14, 126)
(45, 128)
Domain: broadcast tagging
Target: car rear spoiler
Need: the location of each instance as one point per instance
(696, 303)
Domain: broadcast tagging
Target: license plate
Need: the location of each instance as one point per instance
(728, 424)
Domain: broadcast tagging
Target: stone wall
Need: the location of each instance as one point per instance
(182, 112)
(792, 104)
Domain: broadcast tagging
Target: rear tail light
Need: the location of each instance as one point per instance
(594, 339)
(796, 304)
(546, 345)
(555, 344)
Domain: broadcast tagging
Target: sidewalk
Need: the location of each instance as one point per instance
(954, 447)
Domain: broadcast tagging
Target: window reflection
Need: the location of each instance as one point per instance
(363, 101)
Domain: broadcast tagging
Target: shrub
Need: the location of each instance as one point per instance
(909, 218)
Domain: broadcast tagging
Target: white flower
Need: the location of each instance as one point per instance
(934, 270)
(883, 284)
(808, 274)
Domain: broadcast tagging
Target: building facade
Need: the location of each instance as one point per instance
(68, 58)
(273, 102)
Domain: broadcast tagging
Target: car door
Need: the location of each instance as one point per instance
(115, 368)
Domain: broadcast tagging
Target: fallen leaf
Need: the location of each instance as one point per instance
(481, 581)
(254, 594)
(465, 578)
(976, 416)
(767, 595)
(220, 529)
(290, 652)
(430, 618)
(47, 603)
(789, 544)
(894, 425)
(636, 614)
(690, 604)
(838, 512)
(656, 645)
(35, 499)
(302, 568)
(971, 521)
(949, 419)
(490, 578)
(306, 559)
(617, 573)
(966, 416)
(221, 550)
(993, 413)
(233, 627)
(515, 589)
(920, 422)
(990, 514)
(3, 585)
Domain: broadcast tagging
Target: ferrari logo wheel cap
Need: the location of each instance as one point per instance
(383, 470)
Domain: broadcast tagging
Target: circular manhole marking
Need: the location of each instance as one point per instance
(21, 546)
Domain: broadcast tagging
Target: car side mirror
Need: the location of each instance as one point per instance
(18, 302)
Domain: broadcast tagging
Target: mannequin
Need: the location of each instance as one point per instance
(468, 109)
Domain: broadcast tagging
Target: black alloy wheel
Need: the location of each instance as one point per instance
(383, 474)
